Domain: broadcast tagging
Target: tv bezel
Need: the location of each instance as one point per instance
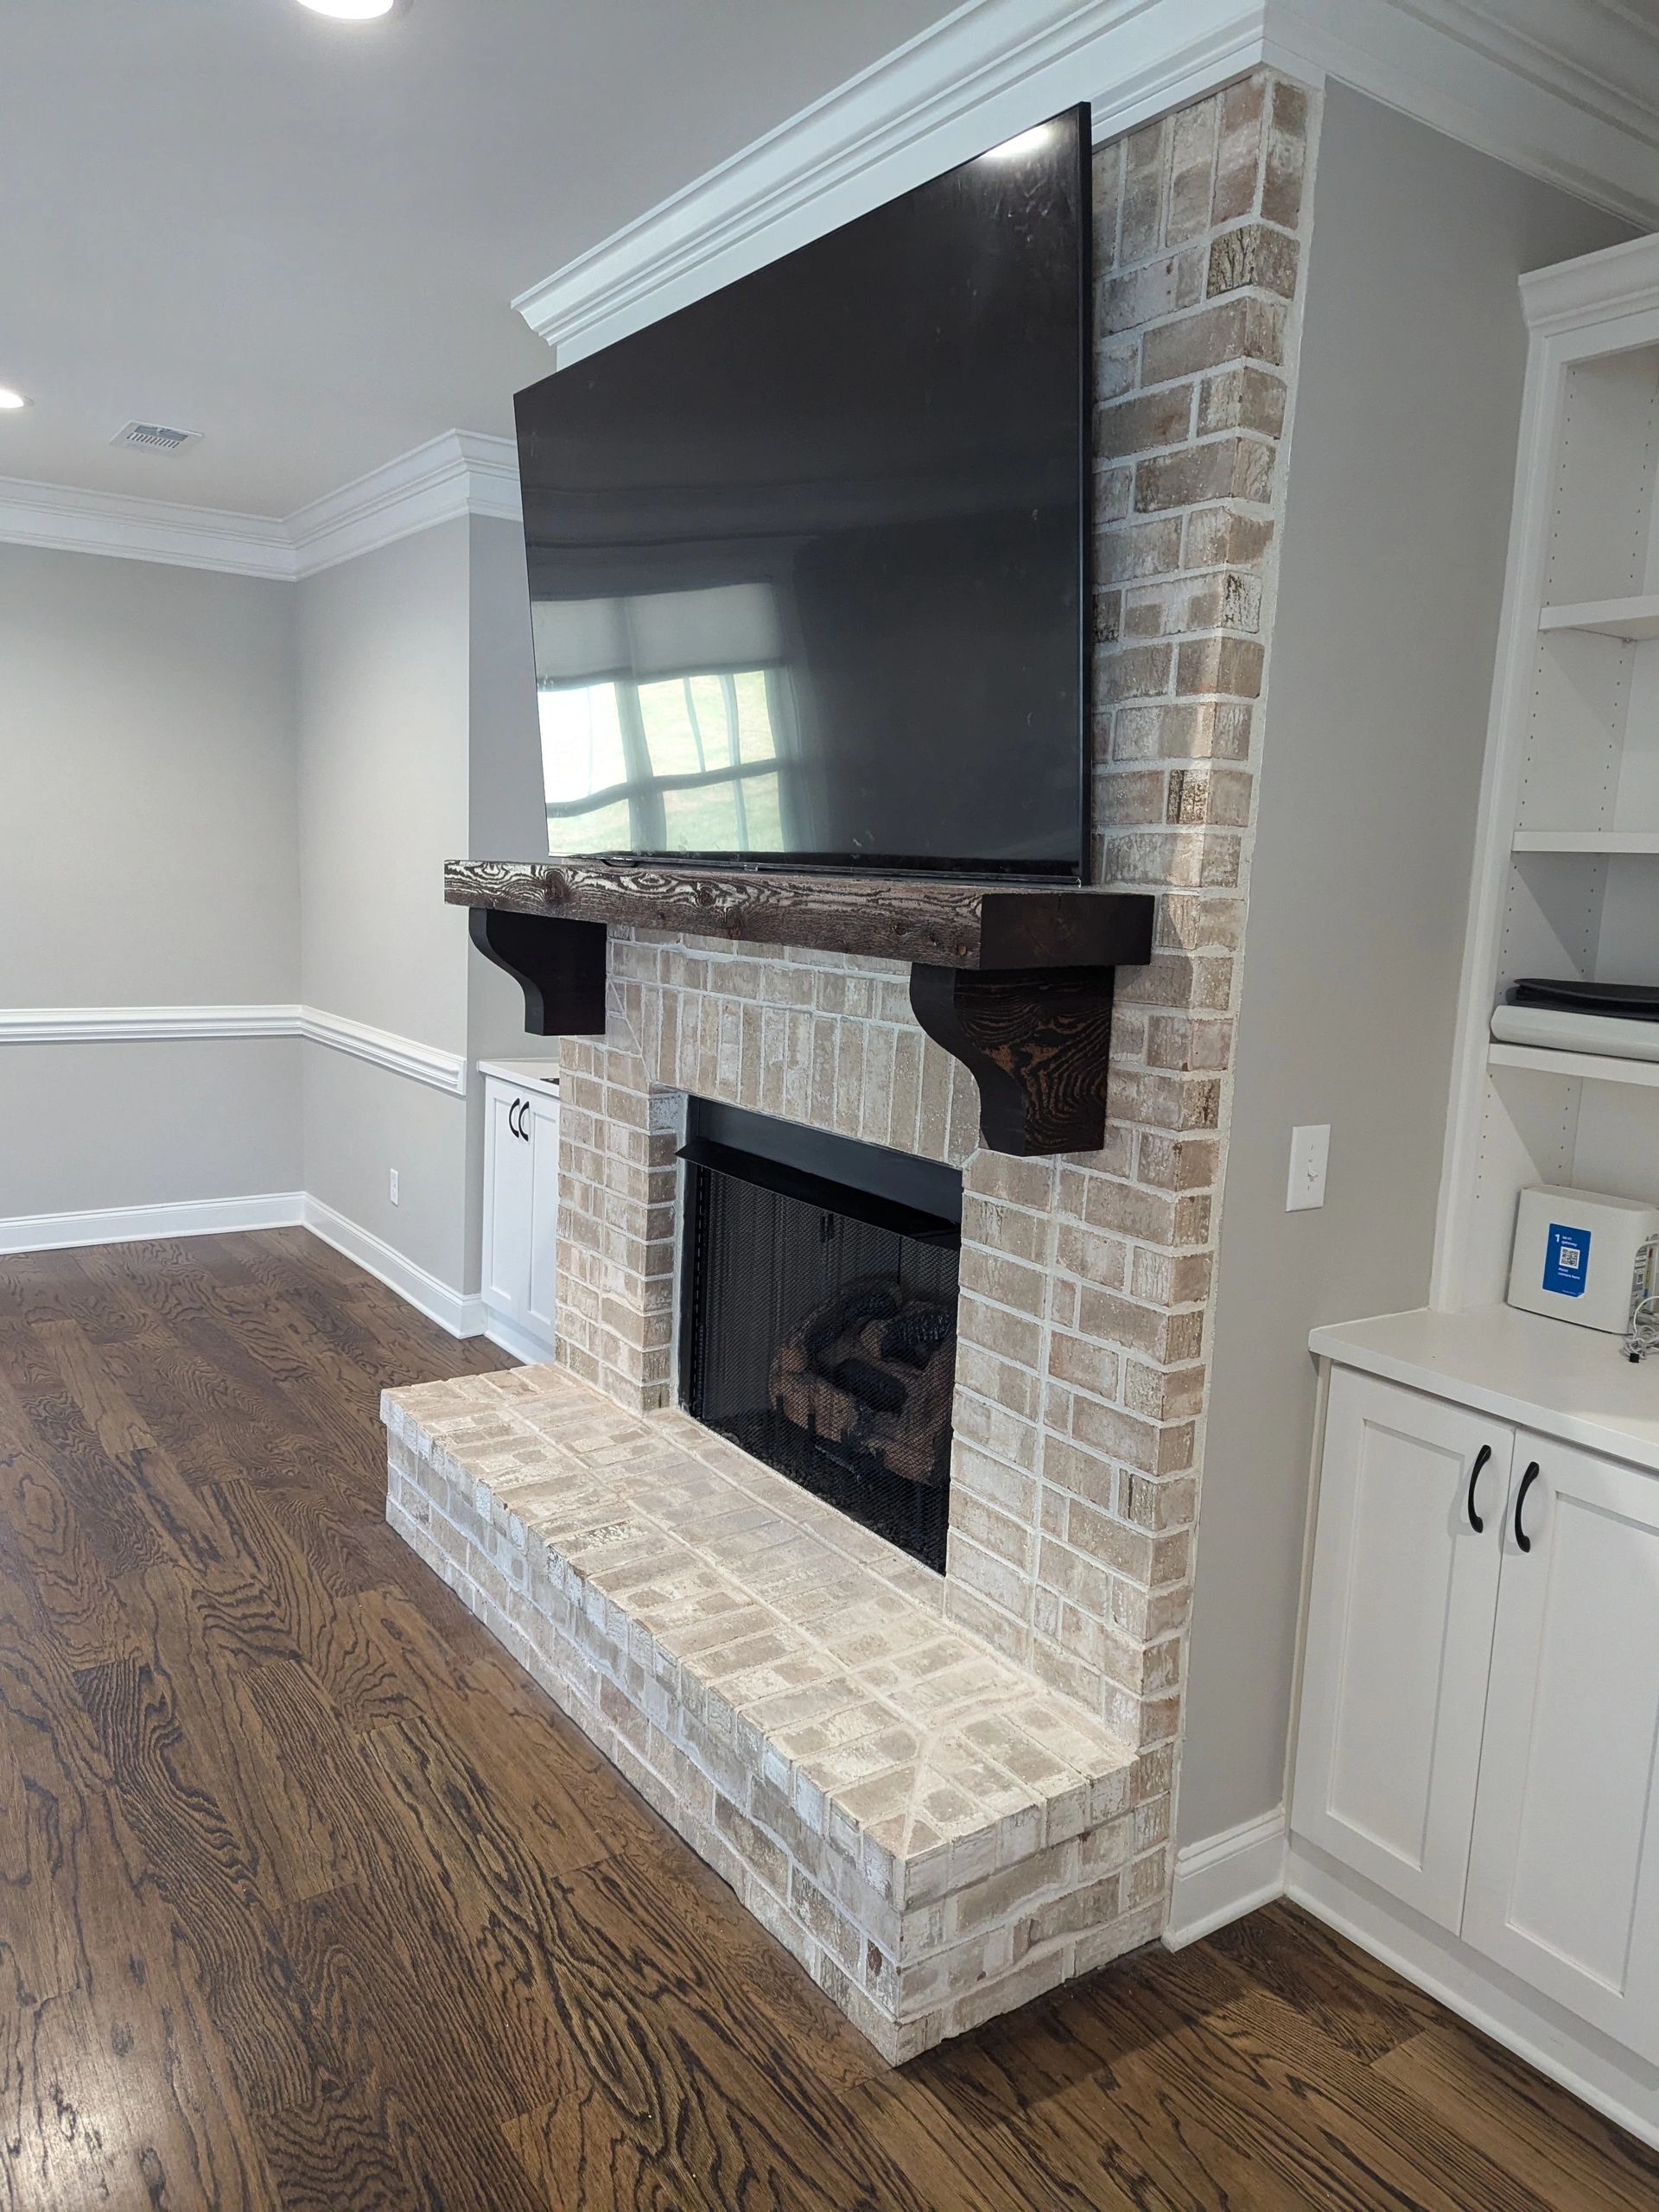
(1063, 872)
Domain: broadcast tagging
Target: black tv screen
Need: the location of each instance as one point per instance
(807, 558)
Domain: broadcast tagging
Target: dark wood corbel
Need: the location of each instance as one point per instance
(1017, 984)
(561, 965)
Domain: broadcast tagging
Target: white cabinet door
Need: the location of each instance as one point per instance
(543, 1122)
(1399, 1637)
(507, 1159)
(1564, 1876)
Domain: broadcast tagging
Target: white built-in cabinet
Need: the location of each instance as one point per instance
(521, 1208)
(1474, 1785)
(1479, 1727)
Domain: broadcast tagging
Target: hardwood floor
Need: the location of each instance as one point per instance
(310, 1900)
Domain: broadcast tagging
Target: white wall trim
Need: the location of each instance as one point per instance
(62, 520)
(97, 1024)
(1223, 1876)
(427, 1063)
(461, 1314)
(1579, 107)
(462, 472)
(1620, 280)
(991, 69)
(517, 1343)
(88, 1024)
(49, 1232)
(1536, 2030)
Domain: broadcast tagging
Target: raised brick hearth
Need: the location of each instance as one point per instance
(1086, 1281)
(934, 1834)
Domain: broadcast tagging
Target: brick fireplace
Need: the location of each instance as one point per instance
(1059, 1623)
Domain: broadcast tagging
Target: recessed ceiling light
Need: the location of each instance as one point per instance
(350, 11)
(11, 399)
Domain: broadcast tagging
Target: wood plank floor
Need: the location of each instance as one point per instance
(310, 1900)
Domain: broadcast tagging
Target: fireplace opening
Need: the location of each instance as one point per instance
(819, 1314)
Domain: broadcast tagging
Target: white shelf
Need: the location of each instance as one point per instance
(1586, 841)
(1549, 1375)
(1592, 1067)
(1632, 618)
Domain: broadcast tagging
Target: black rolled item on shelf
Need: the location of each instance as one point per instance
(1623, 1001)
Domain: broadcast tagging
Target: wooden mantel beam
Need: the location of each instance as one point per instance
(1017, 983)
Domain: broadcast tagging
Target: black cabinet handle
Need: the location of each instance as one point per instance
(523, 1119)
(513, 1112)
(1481, 1458)
(1522, 1540)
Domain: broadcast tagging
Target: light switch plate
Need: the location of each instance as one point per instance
(1310, 1150)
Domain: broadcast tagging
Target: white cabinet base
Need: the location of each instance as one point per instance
(1542, 2033)
(519, 1344)
(521, 1212)
(1398, 1634)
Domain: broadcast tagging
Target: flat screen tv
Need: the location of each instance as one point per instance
(808, 559)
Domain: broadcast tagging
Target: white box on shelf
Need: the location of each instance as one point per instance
(1576, 1254)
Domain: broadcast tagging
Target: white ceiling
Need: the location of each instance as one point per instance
(301, 238)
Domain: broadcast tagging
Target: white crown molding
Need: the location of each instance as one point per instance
(992, 69)
(1620, 280)
(60, 519)
(1567, 90)
(103, 1025)
(462, 472)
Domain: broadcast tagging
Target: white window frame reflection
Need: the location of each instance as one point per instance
(643, 787)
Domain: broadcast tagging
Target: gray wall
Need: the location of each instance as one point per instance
(382, 694)
(507, 812)
(1402, 476)
(148, 856)
(224, 791)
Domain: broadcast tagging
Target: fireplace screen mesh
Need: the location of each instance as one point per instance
(823, 1342)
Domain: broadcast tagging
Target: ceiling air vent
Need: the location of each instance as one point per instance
(154, 437)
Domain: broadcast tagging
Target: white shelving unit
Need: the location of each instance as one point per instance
(1582, 1067)
(1603, 842)
(1566, 880)
(1635, 620)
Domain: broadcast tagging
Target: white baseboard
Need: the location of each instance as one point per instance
(517, 1343)
(50, 1232)
(1224, 1876)
(1544, 2034)
(463, 1315)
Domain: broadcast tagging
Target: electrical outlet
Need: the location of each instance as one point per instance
(1310, 1150)
(394, 1186)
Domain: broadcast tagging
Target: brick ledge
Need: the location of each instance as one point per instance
(933, 1832)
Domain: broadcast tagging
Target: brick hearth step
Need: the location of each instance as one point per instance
(935, 1834)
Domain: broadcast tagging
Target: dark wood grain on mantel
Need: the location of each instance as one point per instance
(945, 925)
